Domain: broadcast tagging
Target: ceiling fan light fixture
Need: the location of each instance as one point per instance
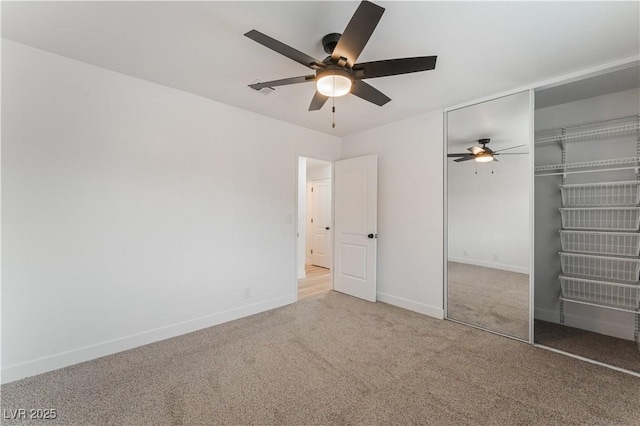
(334, 82)
(484, 157)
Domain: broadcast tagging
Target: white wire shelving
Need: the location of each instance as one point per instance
(600, 235)
(601, 218)
(600, 264)
(621, 269)
(601, 194)
(555, 136)
(629, 163)
(619, 127)
(600, 242)
(618, 296)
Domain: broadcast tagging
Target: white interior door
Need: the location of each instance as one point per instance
(321, 222)
(356, 219)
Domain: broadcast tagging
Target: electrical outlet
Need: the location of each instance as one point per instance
(495, 257)
(247, 293)
(466, 253)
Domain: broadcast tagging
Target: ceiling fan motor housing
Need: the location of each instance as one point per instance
(329, 42)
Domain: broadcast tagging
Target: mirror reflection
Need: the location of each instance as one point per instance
(488, 191)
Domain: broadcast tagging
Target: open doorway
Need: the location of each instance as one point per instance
(315, 227)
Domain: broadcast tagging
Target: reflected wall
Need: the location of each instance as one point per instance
(488, 215)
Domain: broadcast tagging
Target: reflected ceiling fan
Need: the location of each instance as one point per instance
(482, 154)
(339, 73)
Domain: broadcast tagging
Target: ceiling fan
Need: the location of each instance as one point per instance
(482, 154)
(339, 73)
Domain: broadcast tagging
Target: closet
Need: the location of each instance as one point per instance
(587, 218)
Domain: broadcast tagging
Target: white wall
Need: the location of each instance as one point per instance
(548, 201)
(319, 172)
(133, 212)
(410, 221)
(302, 215)
(605, 107)
(489, 213)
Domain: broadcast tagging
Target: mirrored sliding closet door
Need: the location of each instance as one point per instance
(488, 215)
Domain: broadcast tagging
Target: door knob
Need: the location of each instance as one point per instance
(370, 236)
(327, 228)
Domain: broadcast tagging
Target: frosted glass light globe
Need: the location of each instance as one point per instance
(334, 83)
(484, 157)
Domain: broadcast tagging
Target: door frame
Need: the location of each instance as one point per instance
(296, 238)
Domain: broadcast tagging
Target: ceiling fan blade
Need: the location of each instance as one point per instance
(318, 101)
(467, 157)
(283, 82)
(475, 150)
(369, 93)
(512, 147)
(457, 155)
(394, 67)
(285, 50)
(357, 33)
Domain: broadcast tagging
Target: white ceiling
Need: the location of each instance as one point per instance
(504, 120)
(483, 48)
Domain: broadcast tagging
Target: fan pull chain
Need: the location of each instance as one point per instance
(475, 163)
(333, 110)
(492, 167)
(333, 107)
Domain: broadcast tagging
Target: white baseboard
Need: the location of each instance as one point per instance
(53, 362)
(421, 308)
(501, 266)
(595, 324)
(547, 315)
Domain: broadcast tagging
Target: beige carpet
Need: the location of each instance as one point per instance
(610, 350)
(491, 298)
(337, 360)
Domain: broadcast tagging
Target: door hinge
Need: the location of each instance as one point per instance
(312, 189)
(311, 251)
(311, 220)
